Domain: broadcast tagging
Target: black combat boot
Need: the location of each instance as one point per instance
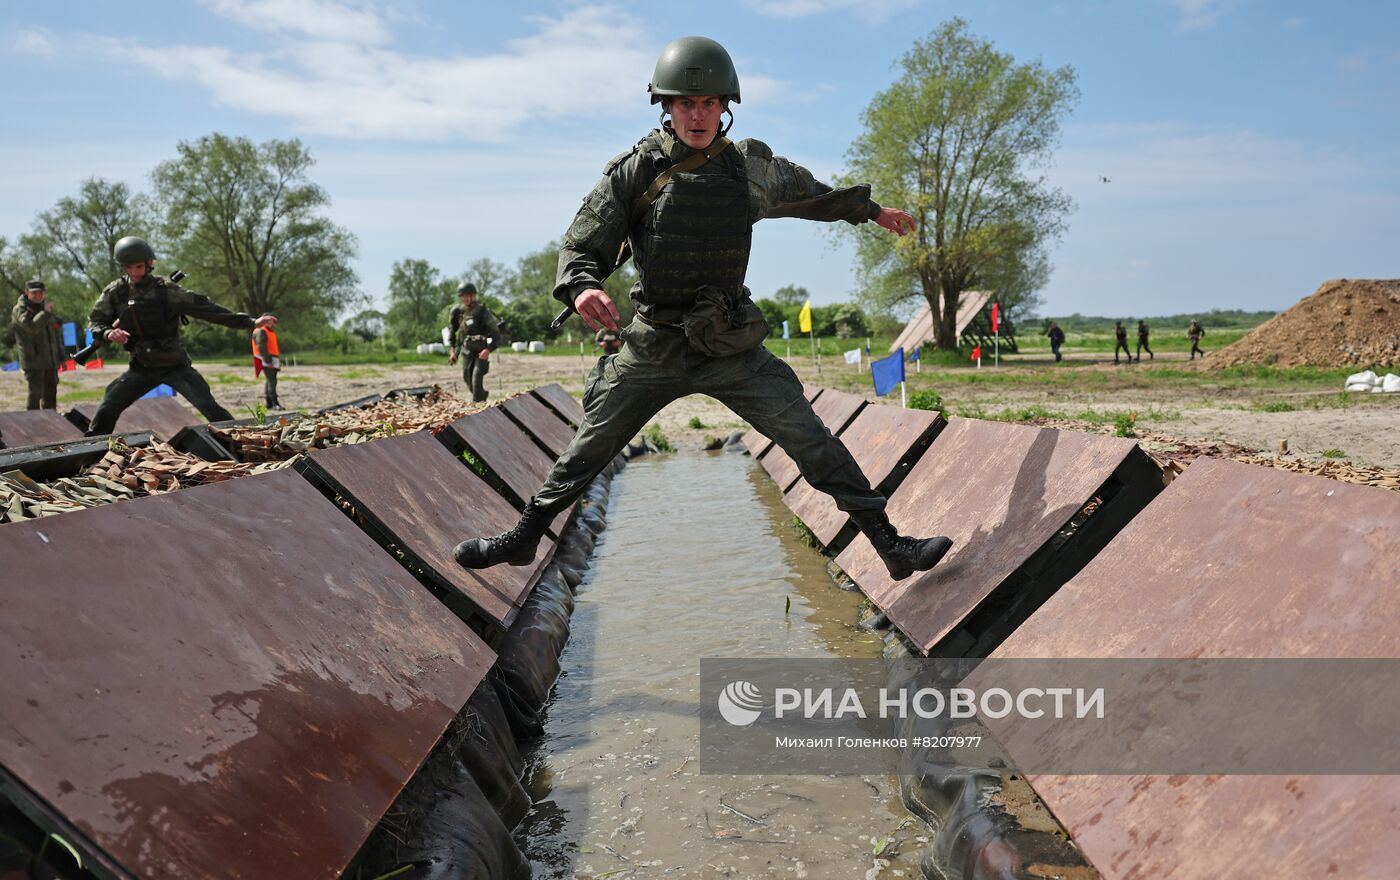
(516, 546)
(902, 555)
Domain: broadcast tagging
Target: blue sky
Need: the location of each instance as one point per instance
(1252, 146)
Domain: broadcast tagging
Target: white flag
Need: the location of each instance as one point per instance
(853, 356)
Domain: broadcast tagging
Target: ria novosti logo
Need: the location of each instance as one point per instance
(740, 703)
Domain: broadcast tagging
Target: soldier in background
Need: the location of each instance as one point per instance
(473, 335)
(1120, 336)
(609, 341)
(40, 335)
(142, 312)
(1142, 342)
(1057, 339)
(690, 241)
(269, 358)
(1195, 332)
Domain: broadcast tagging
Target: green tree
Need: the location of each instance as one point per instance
(367, 325)
(80, 231)
(417, 294)
(791, 295)
(490, 277)
(956, 140)
(246, 222)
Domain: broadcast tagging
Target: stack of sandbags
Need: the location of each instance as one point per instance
(1368, 382)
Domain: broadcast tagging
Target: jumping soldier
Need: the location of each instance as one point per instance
(40, 335)
(142, 312)
(473, 333)
(684, 200)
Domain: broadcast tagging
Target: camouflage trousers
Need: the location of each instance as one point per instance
(655, 367)
(474, 371)
(129, 387)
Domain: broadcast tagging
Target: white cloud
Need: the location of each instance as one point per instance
(33, 43)
(871, 10)
(1202, 14)
(581, 64)
(319, 19)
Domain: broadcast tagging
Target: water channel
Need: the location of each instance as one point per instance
(698, 560)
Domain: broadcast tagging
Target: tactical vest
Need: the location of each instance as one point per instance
(470, 327)
(148, 317)
(698, 232)
(271, 343)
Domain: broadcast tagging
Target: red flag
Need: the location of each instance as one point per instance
(977, 353)
(69, 364)
(94, 364)
(996, 317)
(257, 366)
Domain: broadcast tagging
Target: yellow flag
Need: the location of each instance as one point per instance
(804, 317)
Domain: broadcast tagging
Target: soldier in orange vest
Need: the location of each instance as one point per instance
(267, 358)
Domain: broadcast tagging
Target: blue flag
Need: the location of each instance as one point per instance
(888, 372)
(914, 355)
(159, 391)
(10, 367)
(785, 330)
(88, 333)
(70, 334)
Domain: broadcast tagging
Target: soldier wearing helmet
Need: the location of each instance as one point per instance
(143, 312)
(683, 200)
(473, 335)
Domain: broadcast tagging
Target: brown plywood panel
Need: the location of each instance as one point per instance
(162, 416)
(540, 422)
(1233, 560)
(426, 500)
(240, 690)
(510, 454)
(836, 409)
(562, 402)
(758, 444)
(31, 427)
(879, 438)
(1000, 491)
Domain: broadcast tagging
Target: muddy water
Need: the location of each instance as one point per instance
(697, 561)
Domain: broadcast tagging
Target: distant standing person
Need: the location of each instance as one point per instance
(41, 352)
(1057, 339)
(269, 358)
(142, 312)
(1142, 342)
(1195, 332)
(609, 341)
(1120, 335)
(473, 335)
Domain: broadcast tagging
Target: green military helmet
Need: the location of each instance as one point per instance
(132, 250)
(694, 66)
(465, 288)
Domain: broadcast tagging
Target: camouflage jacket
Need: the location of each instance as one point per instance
(777, 188)
(156, 295)
(40, 336)
(472, 330)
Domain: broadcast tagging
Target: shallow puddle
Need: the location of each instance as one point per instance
(698, 560)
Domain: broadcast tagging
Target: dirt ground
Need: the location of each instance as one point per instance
(1363, 428)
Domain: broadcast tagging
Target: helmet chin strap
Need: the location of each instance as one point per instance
(725, 130)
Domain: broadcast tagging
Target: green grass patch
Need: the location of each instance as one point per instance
(696, 424)
(926, 398)
(804, 534)
(658, 439)
(81, 394)
(1273, 406)
(1333, 453)
(474, 463)
(367, 373)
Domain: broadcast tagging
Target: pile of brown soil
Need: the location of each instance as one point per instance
(1344, 324)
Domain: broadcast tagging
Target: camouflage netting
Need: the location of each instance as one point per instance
(122, 474)
(1345, 323)
(290, 436)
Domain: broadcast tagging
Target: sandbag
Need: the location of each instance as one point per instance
(1391, 383)
(481, 739)
(1360, 388)
(1368, 378)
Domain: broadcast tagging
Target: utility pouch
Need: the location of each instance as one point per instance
(721, 324)
(158, 353)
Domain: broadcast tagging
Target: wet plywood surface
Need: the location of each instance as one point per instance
(879, 438)
(31, 427)
(562, 402)
(508, 451)
(427, 500)
(540, 422)
(240, 691)
(162, 416)
(1233, 560)
(836, 409)
(1000, 491)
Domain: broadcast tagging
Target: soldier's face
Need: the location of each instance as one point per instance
(136, 271)
(34, 295)
(696, 119)
(468, 299)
